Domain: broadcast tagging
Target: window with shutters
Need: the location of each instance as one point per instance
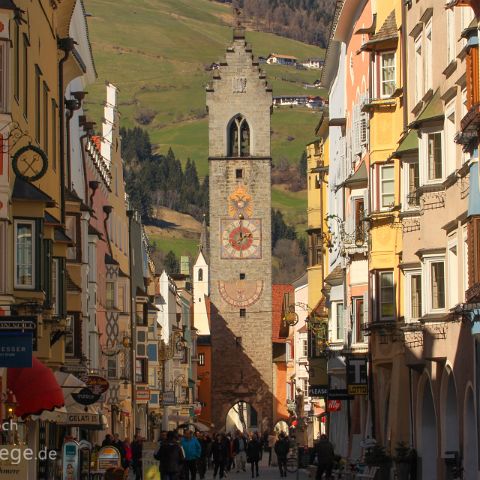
(451, 38)
(413, 295)
(110, 296)
(419, 66)
(305, 348)
(141, 370)
(112, 368)
(315, 248)
(337, 325)
(4, 48)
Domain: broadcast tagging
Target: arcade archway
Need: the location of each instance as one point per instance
(241, 416)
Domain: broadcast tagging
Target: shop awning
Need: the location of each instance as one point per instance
(36, 389)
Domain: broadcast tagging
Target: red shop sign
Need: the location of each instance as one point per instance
(334, 405)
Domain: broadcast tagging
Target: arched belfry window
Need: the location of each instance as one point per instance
(239, 137)
(200, 274)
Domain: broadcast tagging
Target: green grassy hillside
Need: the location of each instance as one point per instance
(156, 52)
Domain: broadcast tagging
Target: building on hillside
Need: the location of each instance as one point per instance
(239, 103)
(315, 63)
(282, 349)
(278, 59)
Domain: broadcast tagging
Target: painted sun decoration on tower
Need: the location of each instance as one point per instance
(239, 104)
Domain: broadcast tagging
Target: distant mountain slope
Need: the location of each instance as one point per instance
(156, 51)
(304, 20)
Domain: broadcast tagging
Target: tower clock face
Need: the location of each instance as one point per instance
(241, 238)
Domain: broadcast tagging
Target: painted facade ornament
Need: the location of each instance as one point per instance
(241, 293)
(240, 203)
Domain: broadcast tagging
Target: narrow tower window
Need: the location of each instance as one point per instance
(200, 275)
(239, 137)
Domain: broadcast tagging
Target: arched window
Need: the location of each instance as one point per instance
(200, 275)
(239, 137)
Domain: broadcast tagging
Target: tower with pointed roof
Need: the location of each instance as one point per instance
(239, 103)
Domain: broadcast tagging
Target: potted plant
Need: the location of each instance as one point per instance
(376, 456)
(404, 460)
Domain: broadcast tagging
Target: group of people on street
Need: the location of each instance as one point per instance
(130, 453)
(183, 455)
(191, 454)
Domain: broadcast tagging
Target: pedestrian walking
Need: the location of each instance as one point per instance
(254, 452)
(325, 458)
(128, 452)
(171, 457)
(202, 461)
(137, 451)
(227, 439)
(219, 455)
(193, 450)
(282, 447)
(107, 441)
(240, 451)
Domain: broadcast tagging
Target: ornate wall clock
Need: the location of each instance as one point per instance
(30, 163)
(241, 293)
(240, 203)
(241, 238)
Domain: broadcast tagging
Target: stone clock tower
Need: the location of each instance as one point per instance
(239, 104)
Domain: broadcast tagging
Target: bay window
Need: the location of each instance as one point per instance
(387, 74)
(412, 183)
(69, 335)
(387, 186)
(450, 145)
(413, 295)
(453, 277)
(386, 296)
(434, 269)
(336, 321)
(25, 254)
(433, 154)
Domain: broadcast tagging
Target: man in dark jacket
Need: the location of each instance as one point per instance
(282, 447)
(325, 456)
(171, 458)
(137, 449)
(220, 456)
(254, 453)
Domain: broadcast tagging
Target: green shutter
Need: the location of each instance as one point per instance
(62, 287)
(47, 270)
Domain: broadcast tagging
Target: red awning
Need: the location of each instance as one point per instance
(36, 389)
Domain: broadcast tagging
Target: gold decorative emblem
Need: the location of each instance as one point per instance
(241, 293)
(240, 203)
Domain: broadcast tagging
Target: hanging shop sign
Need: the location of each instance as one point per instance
(339, 394)
(85, 397)
(16, 350)
(20, 323)
(70, 460)
(143, 394)
(357, 376)
(30, 163)
(317, 391)
(334, 405)
(96, 384)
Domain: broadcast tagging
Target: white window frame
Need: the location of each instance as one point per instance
(355, 330)
(428, 57)
(380, 186)
(379, 289)
(334, 321)
(449, 142)
(304, 347)
(406, 163)
(17, 284)
(381, 80)
(427, 292)
(409, 274)
(424, 160)
(419, 68)
(452, 272)
(451, 38)
(4, 76)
